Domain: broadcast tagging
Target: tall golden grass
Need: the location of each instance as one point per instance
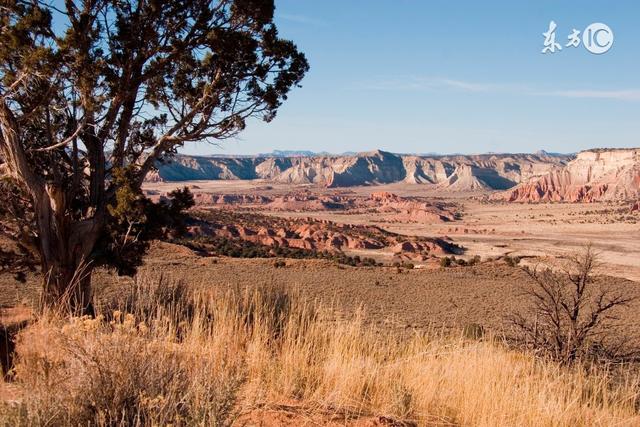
(196, 359)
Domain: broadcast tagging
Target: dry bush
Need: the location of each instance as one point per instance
(256, 349)
(152, 297)
(572, 317)
(88, 372)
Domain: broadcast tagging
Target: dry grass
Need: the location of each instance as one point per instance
(204, 360)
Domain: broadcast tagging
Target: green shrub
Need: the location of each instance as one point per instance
(512, 261)
(475, 260)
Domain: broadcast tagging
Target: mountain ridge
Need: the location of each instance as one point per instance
(456, 172)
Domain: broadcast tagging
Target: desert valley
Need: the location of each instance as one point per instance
(407, 244)
(237, 213)
(485, 206)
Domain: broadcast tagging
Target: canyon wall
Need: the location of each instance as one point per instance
(455, 172)
(594, 175)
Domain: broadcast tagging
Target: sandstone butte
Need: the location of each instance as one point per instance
(594, 175)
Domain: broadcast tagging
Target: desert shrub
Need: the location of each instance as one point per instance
(151, 296)
(570, 316)
(512, 261)
(408, 265)
(445, 262)
(250, 349)
(461, 262)
(93, 372)
(473, 331)
(279, 264)
(238, 248)
(475, 260)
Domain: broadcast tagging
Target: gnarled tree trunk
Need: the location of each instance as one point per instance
(67, 288)
(65, 251)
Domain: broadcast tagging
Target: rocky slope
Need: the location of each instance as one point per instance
(456, 172)
(594, 175)
(315, 235)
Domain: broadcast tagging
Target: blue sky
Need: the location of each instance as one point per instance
(452, 76)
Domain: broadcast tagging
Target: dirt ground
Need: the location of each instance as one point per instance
(402, 299)
(485, 294)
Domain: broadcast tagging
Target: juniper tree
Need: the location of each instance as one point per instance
(93, 93)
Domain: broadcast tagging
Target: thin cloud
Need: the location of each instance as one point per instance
(430, 84)
(408, 83)
(468, 86)
(301, 19)
(426, 83)
(623, 95)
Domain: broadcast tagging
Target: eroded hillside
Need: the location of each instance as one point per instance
(455, 172)
(612, 174)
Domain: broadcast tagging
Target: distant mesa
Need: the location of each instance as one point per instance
(450, 172)
(594, 175)
(291, 153)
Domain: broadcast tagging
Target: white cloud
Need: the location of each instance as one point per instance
(468, 86)
(624, 95)
(300, 19)
(426, 83)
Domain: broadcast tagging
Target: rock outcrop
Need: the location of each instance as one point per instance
(594, 175)
(457, 172)
(317, 235)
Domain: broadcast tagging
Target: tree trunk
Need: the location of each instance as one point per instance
(65, 243)
(67, 288)
(65, 252)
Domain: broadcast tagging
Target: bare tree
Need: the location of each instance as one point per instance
(93, 93)
(571, 316)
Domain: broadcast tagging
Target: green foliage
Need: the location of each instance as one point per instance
(512, 261)
(445, 262)
(135, 220)
(90, 105)
(238, 248)
(129, 202)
